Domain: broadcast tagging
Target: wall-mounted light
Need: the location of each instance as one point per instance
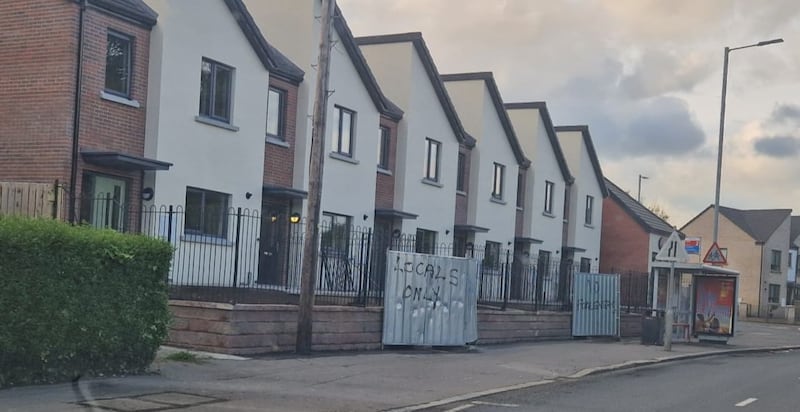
(248, 195)
(470, 245)
(273, 217)
(366, 216)
(396, 233)
(147, 193)
(294, 218)
(447, 231)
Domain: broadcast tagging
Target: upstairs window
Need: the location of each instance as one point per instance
(118, 64)
(432, 156)
(775, 263)
(521, 190)
(383, 147)
(462, 173)
(344, 129)
(276, 113)
(216, 90)
(498, 181)
(589, 210)
(548, 196)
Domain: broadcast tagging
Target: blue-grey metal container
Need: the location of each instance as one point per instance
(595, 305)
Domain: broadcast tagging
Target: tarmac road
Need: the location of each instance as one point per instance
(752, 382)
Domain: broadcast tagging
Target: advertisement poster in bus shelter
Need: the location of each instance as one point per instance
(714, 305)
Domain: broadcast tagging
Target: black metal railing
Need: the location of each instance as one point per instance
(239, 256)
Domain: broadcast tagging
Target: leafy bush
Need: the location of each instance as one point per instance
(78, 301)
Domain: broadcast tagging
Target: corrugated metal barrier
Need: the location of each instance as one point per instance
(595, 305)
(430, 300)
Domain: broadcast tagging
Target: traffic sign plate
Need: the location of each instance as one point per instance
(673, 250)
(714, 256)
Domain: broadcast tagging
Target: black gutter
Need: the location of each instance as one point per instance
(76, 116)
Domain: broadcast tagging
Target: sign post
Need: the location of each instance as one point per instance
(672, 251)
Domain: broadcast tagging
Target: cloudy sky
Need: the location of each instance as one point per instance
(645, 75)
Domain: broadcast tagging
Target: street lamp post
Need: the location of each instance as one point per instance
(639, 193)
(728, 50)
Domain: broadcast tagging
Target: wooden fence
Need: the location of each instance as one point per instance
(32, 199)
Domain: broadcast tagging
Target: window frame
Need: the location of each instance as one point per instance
(521, 190)
(282, 113)
(429, 143)
(223, 214)
(129, 63)
(461, 170)
(589, 212)
(334, 243)
(384, 143)
(498, 181)
(212, 94)
(775, 261)
(337, 133)
(776, 298)
(421, 240)
(585, 265)
(549, 189)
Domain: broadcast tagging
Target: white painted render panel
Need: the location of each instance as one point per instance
(544, 167)
(478, 114)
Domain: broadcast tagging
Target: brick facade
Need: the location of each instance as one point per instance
(384, 184)
(279, 160)
(37, 86)
(624, 243)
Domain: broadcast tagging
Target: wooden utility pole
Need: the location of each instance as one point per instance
(316, 161)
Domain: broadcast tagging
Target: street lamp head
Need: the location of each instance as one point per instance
(768, 42)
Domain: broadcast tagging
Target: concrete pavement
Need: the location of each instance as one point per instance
(367, 381)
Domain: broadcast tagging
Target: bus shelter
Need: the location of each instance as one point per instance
(703, 302)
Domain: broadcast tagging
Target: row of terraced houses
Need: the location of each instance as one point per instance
(191, 120)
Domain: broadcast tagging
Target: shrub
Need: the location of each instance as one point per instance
(78, 301)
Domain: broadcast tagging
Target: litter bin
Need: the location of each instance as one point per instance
(653, 327)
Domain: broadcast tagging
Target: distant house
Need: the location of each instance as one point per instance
(496, 163)
(584, 217)
(794, 262)
(631, 234)
(756, 243)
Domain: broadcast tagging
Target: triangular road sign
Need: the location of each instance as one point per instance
(714, 256)
(673, 250)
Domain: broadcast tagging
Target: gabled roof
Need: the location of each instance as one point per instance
(551, 134)
(272, 59)
(647, 219)
(794, 232)
(384, 105)
(433, 75)
(587, 141)
(135, 10)
(494, 93)
(760, 224)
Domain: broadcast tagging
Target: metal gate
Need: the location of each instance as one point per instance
(430, 300)
(595, 305)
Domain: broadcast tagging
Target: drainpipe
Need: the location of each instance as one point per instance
(76, 116)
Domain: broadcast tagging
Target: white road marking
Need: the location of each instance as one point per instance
(460, 408)
(503, 405)
(473, 395)
(746, 402)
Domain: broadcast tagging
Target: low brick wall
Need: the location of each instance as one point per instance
(495, 326)
(244, 329)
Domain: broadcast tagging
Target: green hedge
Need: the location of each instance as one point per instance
(78, 301)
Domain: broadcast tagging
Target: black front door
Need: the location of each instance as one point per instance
(273, 245)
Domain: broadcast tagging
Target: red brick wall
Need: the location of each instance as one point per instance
(278, 160)
(107, 125)
(461, 200)
(624, 244)
(38, 52)
(384, 185)
(37, 67)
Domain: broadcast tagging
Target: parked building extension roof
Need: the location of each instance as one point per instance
(497, 101)
(433, 75)
(651, 222)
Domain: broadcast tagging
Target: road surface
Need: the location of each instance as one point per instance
(754, 382)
